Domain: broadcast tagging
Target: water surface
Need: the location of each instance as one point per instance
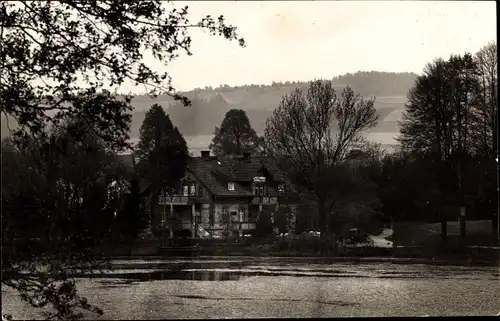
(284, 288)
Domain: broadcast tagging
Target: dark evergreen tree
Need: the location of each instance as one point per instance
(235, 135)
(162, 153)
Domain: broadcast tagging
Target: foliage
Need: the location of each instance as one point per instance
(235, 135)
(131, 217)
(49, 47)
(54, 216)
(283, 219)
(306, 218)
(162, 151)
(57, 60)
(438, 117)
(487, 124)
(227, 224)
(448, 127)
(310, 135)
(162, 154)
(264, 225)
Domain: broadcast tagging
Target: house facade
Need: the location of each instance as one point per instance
(221, 195)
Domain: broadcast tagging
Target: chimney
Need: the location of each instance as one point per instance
(205, 154)
(246, 156)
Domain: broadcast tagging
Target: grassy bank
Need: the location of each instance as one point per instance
(310, 247)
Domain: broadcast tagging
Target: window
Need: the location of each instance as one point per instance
(281, 189)
(200, 190)
(241, 216)
(259, 189)
(185, 190)
(230, 186)
(192, 189)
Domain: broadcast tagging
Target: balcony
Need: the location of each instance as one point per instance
(245, 226)
(178, 200)
(264, 200)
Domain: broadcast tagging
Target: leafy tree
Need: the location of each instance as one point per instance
(53, 211)
(299, 137)
(48, 47)
(162, 153)
(264, 224)
(57, 58)
(487, 124)
(131, 217)
(283, 219)
(438, 123)
(306, 216)
(235, 135)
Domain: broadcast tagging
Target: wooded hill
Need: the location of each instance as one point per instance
(209, 105)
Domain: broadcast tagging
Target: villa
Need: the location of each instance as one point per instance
(224, 195)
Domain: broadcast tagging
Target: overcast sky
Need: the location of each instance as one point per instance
(291, 40)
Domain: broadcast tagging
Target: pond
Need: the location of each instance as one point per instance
(257, 288)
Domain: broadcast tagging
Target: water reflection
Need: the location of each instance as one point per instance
(201, 297)
(239, 274)
(186, 275)
(273, 288)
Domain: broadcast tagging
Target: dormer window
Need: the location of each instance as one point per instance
(259, 189)
(281, 189)
(192, 189)
(230, 186)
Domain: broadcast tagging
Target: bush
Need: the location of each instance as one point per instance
(264, 224)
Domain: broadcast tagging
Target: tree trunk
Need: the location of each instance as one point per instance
(322, 228)
(152, 207)
(444, 228)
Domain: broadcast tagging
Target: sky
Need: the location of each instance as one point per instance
(305, 40)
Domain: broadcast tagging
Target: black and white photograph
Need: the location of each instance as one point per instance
(249, 159)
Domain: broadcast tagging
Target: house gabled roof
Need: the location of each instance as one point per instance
(211, 174)
(215, 173)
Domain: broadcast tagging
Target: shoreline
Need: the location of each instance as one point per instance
(298, 259)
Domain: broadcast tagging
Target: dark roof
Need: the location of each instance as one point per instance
(215, 173)
(240, 170)
(206, 172)
(126, 159)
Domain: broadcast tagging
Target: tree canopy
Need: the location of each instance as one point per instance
(58, 55)
(162, 151)
(54, 212)
(235, 135)
(309, 136)
(449, 126)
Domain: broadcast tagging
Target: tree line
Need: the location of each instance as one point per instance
(443, 170)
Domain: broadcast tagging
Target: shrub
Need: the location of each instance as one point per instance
(264, 224)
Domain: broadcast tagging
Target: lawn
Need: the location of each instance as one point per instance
(478, 233)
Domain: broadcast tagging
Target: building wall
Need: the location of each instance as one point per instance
(205, 214)
(206, 197)
(231, 207)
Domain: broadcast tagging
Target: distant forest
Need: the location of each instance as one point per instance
(209, 105)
